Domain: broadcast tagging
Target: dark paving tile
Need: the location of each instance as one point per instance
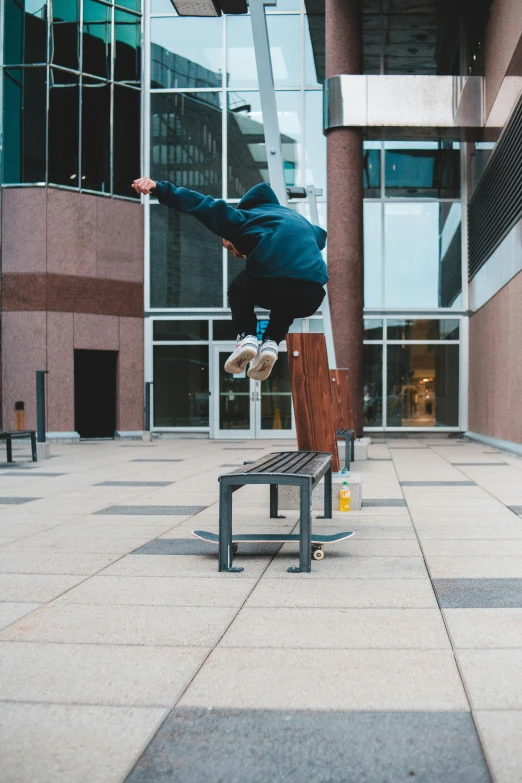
(15, 501)
(150, 510)
(34, 475)
(144, 459)
(482, 464)
(382, 502)
(210, 746)
(193, 546)
(516, 509)
(437, 484)
(134, 484)
(479, 593)
(18, 465)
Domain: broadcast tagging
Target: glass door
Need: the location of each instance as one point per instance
(274, 412)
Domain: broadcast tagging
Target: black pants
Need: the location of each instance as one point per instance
(286, 299)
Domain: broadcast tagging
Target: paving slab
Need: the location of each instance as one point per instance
(297, 679)
(10, 612)
(151, 510)
(97, 674)
(42, 542)
(500, 734)
(481, 532)
(53, 562)
(492, 678)
(473, 548)
(117, 624)
(479, 593)
(475, 567)
(35, 588)
(340, 566)
(190, 565)
(333, 747)
(485, 628)
(195, 546)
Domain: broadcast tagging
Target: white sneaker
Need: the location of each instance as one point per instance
(246, 350)
(261, 367)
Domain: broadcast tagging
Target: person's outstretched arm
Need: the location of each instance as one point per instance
(221, 218)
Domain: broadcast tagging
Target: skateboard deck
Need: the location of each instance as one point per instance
(318, 541)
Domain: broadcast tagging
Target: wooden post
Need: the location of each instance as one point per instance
(342, 400)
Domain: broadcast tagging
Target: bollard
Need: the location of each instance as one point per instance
(147, 408)
(40, 405)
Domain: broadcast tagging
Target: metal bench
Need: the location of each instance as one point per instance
(8, 437)
(349, 441)
(303, 469)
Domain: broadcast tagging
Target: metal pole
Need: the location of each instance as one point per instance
(274, 151)
(40, 405)
(148, 392)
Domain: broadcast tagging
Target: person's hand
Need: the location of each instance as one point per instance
(231, 248)
(144, 185)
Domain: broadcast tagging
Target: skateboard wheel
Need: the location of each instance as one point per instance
(317, 553)
(235, 547)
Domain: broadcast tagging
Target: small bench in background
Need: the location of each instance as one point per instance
(9, 436)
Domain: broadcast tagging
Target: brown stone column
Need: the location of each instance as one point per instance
(345, 203)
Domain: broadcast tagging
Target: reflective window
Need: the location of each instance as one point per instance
(180, 330)
(132, 5)
(96, 37)
(186, 52)
(224, 330)
(181, 390)
(186, 261)
(373, 282)
(64, 120)
(25, 34)
(64, 33)
(284, 5)
(186, 140)
(436, 329)
(373, 329)
(96, 135)
(372, 169)
(372, 380)
(162, 7)
(284, 37)
(24, 134)
(316, 325)
(126, 151)
(423, 385)
(314, 50)
(315, 141)
(127, 35)
(422, 169)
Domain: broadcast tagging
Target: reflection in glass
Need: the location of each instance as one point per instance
(420, 169)
(435, 329)
(224, 330)
(126, 152)
(421, 43)
(186, 261)
(284, 37)
(247, 162)
(64, 33)
(25, 34)
(316, 325)
(186, 140)
(132, 5)
(314, 62)
(276, 397)
(234, 398)
(372, 380)
(181, 390)
(186, 52)
(24, 134)
(127, 40)
(96, 135)
(372, 169)
(315, 141)
(180, 330)
(64, 121)
(96, 36)
(423, 385)
(373, 283)
(373, 328)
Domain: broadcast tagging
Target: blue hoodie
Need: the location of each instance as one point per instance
(276, 241)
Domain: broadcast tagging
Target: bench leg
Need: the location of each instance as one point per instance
(305, 531)
(274, 502)
(33, 447)
(327, 495)
(9, 448)
(225, 529)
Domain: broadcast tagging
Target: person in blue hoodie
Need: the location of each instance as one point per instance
(285, 271)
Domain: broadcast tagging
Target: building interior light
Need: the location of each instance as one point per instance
(73, 176)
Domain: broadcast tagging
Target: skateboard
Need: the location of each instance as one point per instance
(276, 538)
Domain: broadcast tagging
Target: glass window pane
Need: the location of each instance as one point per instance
(315, 149)
(186, 140)
(132, 5)
(247, 162)
(162, 7)
(126, 145)
(181, 391)
(96, 135)
(373, 328)
(372, 379)
(64, 33)
(186, 261)
(284, 5)
(284, 37)
(64, 121)
(235, 267)
(24, 134)
(422, 169)
(186, 52)
(180, 330)
(224, 330)
(436, 329)
(372, 169)
(373, 284)
(96, 37)
(127, 36)
(423, 386)
(412, 252)
(316, 325)
(314, 50)
(25, 35)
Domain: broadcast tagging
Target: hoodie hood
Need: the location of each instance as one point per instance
(259, 194)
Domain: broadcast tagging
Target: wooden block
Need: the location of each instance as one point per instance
(310, 379)
(341, 400)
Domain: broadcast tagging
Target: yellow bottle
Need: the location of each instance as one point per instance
(345, 497)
